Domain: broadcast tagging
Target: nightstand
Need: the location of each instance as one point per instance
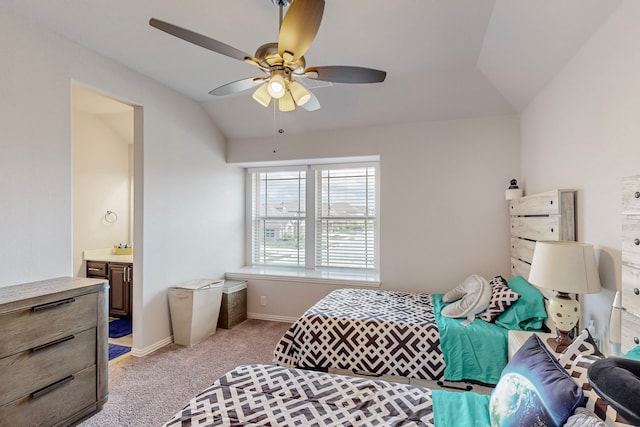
(518, 338)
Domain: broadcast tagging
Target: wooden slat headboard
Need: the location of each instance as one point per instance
(543, 216)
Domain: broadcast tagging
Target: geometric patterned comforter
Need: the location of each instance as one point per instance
(267, 395)
(372, 331)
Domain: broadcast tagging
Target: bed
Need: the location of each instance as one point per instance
(403, 334)
(377, 332)
(549, 393)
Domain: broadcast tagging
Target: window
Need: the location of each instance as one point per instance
(346, 220)
(279, 217)
(343, 200)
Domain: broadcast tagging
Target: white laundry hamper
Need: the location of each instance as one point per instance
(194, 308)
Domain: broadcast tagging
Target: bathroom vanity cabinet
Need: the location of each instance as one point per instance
(120, 276)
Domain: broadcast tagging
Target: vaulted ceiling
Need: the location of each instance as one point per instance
(445, 59)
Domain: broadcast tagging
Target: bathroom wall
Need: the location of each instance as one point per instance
(101, 183)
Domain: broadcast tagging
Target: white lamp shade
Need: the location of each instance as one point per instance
(568, 267)
(262, 95)
(300, 93)
(276, 86)
(615, 325)
(286, 103)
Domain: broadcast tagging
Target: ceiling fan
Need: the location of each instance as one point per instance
(283, 62)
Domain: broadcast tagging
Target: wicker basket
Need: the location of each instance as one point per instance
(234, 304)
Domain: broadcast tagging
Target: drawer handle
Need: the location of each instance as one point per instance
(52, 343)
(636, 242)
(636, 291)
(636, 194)
(51, 387)
(51, 305)
(94, 269)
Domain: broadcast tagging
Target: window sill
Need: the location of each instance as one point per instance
(330, 277)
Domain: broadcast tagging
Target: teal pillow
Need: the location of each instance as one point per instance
(528, 313)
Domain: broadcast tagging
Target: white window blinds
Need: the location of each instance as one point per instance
(279, 217)
(346, 217)
(338, 204)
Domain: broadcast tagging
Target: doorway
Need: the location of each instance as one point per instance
(103, 204)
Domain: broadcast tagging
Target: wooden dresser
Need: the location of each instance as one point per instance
(630, 262)
(53, 351)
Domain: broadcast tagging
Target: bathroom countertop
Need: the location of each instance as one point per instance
(106, 255)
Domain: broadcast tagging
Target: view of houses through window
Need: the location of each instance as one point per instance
(343, 204)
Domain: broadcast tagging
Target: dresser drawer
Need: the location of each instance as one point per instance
(47, 322)
(52, 404)
(631, 240)
(630, 331)
(33, 369)
(631, 195)
(631, 289)
(97, 269)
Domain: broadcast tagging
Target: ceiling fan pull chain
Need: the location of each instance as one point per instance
(274, 122)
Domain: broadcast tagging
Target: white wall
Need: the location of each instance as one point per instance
(442, 213)
(583, 132)
(101, 183)
(188, 207)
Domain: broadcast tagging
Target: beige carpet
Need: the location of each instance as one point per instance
(147, 391)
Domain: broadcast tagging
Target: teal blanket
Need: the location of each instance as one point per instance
(467, 409)
(477, 351)
(634, 353)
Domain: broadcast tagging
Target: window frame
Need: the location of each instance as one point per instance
(311, 215)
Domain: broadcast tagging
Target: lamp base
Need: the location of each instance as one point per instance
(560, 342)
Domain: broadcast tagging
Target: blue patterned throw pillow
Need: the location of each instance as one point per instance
(534, 390)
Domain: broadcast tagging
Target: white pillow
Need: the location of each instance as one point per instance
(584, 418)
(471, 297)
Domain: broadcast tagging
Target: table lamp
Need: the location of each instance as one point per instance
(567, 268)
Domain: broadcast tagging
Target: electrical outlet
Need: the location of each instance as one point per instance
(263, 300)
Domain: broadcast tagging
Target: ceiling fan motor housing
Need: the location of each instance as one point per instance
(269, 57)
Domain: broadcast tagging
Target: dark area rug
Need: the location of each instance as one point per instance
(119, 328)
(116, 350)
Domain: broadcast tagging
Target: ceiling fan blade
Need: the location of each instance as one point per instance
(237, 86)
(299, 28)
(200, 40)
(312, 104)
(345, 74)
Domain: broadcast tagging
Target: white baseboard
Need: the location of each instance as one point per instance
(153, 347)
(271, 317)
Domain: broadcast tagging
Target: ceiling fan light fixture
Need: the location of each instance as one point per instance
(286, 103)
(261, 95)
(300, 94)
(276, 86)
